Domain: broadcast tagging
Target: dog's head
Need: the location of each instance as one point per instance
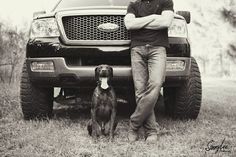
(103, 74)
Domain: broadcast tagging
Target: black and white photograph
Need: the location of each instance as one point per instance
(120, 78)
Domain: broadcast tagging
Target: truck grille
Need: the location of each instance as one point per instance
(85, 27)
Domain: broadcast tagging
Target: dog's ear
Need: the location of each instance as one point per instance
(111, 71)
(96, 73)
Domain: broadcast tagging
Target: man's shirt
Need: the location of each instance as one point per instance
(141, 8)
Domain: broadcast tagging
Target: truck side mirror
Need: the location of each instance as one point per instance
(36, 14)
(186, 15)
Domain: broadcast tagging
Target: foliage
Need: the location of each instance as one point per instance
(229, 12)
(12, 50)
(212, 36)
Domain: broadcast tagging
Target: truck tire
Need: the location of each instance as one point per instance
(36, 102)
(185, 102)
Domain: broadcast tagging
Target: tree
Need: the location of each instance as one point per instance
(229, 12)
(12, 47)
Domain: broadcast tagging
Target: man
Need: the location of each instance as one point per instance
(148, 21)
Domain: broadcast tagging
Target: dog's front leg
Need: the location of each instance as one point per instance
(112, 125)
(94, 125)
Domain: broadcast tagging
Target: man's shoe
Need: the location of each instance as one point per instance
(152, 138)
(132, 135)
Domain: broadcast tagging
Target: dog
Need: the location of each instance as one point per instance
(104, 103)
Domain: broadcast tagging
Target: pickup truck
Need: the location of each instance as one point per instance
(67, 43)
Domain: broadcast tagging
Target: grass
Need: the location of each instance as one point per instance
(65, 134)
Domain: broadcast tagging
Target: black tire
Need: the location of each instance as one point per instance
(185, 102)
(186, 15)
(130, 97)
(36, 102)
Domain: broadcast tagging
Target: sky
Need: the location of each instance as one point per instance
(18, 12)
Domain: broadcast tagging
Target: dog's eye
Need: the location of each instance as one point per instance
(98, 69)
(110, 69)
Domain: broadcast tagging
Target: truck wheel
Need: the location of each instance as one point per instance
(184, 102)
(130, 96)
(36, 102)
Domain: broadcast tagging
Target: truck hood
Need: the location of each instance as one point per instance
(95, 10)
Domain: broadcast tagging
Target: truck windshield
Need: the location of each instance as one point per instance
(87, 3)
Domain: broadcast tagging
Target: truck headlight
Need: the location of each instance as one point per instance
(178, 28)
(44, 28)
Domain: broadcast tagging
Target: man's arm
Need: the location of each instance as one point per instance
(161, 21)
(132, 23)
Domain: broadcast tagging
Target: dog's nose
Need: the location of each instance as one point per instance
(103, 70)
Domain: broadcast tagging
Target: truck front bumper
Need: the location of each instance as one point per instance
(60, 74)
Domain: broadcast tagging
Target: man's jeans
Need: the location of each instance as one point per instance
(148, 69)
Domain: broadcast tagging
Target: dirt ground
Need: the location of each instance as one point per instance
(65, 135)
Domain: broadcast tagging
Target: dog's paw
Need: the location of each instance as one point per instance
(96, 130)
(95, 139)
(89, 128)
(111, 139)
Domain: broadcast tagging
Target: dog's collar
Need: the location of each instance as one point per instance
(105, 89)
(99, 85)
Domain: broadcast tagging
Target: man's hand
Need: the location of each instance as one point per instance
(132, 23)
(161, 21)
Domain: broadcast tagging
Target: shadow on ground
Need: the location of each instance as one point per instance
(78, 112)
